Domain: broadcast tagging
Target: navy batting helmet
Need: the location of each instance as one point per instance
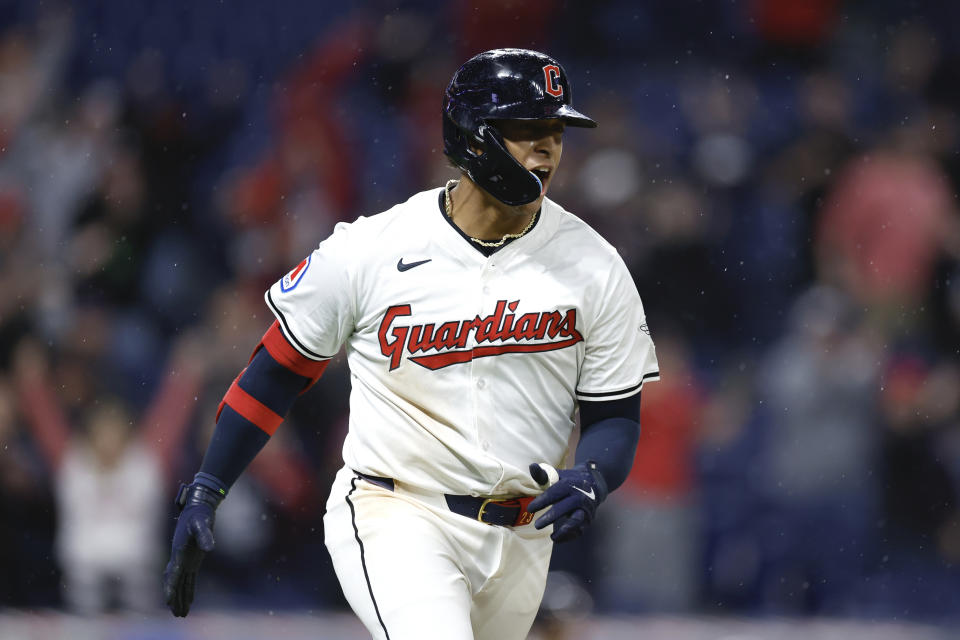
(503, 84)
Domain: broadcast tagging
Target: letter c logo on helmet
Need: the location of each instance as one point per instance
(551, 73)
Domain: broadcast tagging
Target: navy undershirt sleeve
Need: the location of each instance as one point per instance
(271, 383)
(236, 441)
(609, 432)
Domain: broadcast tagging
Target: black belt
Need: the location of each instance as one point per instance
(505, 513)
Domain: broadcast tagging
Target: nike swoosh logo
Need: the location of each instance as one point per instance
(590, 495)
(401, 266)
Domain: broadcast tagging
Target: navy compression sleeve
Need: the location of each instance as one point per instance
(609, 432)
(237, 438)
(254, 407)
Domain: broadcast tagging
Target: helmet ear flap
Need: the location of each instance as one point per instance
(500, 173)
(464, 119)
(460, 125)
(492, 139)
(482, 153)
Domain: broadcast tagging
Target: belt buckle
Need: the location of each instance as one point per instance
(483, 506)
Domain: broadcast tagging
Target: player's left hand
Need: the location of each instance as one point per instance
(574, 494)
(192, 540)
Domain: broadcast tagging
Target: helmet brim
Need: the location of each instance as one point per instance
(574, 118)
(518, 111)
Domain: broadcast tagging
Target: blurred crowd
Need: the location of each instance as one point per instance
(780, 177)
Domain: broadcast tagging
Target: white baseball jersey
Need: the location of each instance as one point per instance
(466, 368)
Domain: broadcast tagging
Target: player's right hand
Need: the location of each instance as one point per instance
(574, 495)
(192, 540)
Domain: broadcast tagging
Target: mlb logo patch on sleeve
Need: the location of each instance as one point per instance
(292, 279)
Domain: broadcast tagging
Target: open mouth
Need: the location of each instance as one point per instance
(542, 173)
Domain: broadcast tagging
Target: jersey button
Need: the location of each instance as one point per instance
(485, 445)
(486, 289)
(481, 383)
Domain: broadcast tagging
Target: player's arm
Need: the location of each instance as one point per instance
(252, 409)
(609, 432)
(619, 358)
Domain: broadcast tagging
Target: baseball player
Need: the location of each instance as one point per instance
(477, 318)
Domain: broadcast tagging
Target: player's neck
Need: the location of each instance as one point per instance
(481, 216)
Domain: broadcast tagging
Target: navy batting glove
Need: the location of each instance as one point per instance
(574, 494)
(192, 540)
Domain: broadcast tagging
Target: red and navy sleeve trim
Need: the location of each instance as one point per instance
(272, 382)
(250, 408)
(288, 334)
(256, 403)
(266, 389)
(287, 356)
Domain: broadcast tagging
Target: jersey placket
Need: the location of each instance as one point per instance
(483, 370)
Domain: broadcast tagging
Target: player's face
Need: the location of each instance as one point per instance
(536, 144)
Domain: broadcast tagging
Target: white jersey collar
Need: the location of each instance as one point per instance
(456, 244)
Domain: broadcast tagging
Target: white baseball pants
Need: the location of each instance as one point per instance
(413, 570)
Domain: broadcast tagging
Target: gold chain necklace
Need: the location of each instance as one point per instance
(448, 205)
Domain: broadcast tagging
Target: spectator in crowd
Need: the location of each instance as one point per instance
(818, 388)
(883, 226)
(651, 546)
(109, 479)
